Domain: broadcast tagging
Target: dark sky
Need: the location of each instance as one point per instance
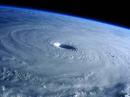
(112, 12)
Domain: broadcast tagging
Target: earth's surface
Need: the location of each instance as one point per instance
(43, 54)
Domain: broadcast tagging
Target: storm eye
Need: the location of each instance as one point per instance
(65, 46)
(69, 47)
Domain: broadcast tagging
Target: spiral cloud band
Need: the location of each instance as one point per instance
(44, 54)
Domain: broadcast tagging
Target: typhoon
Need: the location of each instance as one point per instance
(45, 54)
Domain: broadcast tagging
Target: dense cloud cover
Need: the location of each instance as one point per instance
(31, 66)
